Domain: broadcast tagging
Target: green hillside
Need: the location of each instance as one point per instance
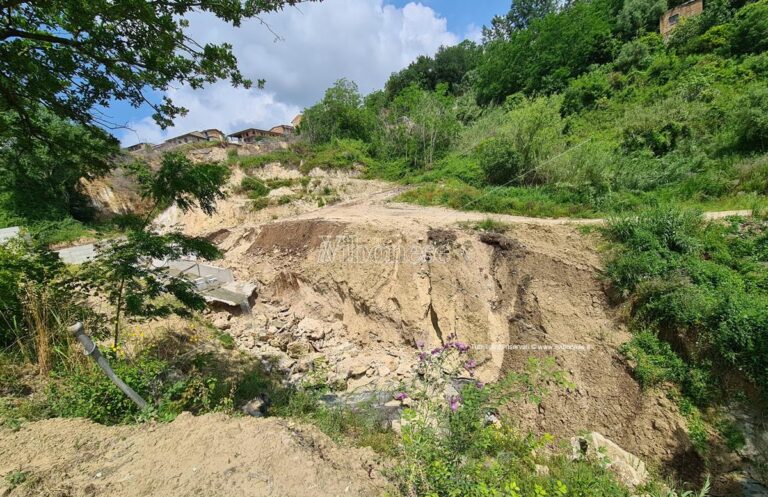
(585, 112)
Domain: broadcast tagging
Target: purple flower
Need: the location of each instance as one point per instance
(480, 385)
(436, 351)
(455, 402)
(422, 356)
(401, 396)
(420, 344)
(461, 346)
(470, 364)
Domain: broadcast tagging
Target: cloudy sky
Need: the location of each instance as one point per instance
(363, 40)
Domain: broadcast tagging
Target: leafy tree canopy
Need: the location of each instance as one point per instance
(520, 16)
(340, 114)
(71, 56)
(32, 169)
(449, 65)
(546, 55)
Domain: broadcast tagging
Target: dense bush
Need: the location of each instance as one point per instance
(638, 16)
(86, 392)
(750, 120)
(700, 282)
(338, 154)
(638, 53)
(500, 162)
(750, 29)
(659, 135)
(585, 92)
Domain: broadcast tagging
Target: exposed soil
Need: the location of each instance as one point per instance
(354, 286)
(294, 237)
(208, 455)
(376, 276)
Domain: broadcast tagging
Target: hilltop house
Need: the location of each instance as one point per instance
(296, 121)
(214, 134)
(672, 17)
(282, 129)
(251, 135)
(208, 135)
(139, 146)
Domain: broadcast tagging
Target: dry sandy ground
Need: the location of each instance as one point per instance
(212, 455)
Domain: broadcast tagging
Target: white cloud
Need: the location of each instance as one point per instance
(474, 33)
(363, 40)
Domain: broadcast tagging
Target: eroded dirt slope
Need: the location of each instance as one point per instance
(360, 282)
(206, 456)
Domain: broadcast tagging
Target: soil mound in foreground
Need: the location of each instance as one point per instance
(206, 455)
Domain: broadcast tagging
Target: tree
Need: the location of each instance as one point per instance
(32, 169)
(421, 125)
(519, 17)
(72, 56)
(124, 270)
(546, 55)
(638, 16)
(340, 114)
(750, 29)
(450, 65)
(62, 60)
(750, 120)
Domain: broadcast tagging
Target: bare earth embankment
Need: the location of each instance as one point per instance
(212, 455)
(356, 284)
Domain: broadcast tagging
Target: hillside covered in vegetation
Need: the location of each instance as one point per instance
(581, 110)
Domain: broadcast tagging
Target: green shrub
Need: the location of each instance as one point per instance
(585, 92)
(638, 16)
(750, 119)
(339, 154)
(500, 162)
(750, 29)
(87, 392)
(638, 53)
(700, 282)
(465, 169)
(655, 362)
(254, 187)
(286, 158)
(660, 136)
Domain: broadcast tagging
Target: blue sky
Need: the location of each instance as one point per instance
(463, 13)
(362, 40)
